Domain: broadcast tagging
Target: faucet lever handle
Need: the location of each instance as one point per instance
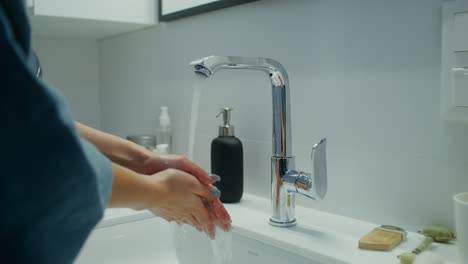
(319, 168)
(313, 185)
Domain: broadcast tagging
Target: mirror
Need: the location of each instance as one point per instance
(175, 9)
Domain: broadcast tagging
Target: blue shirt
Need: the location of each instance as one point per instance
(54, 186)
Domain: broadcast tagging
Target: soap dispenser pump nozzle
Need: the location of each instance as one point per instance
(226, 129)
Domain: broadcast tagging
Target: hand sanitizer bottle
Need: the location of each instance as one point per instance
(164, 133)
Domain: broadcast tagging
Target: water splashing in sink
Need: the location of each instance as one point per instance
(217, 251)
(222, 247)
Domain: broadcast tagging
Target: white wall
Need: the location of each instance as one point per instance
(364, 74)
(71, 65)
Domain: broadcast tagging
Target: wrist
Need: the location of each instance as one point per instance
(140, 157)
(148, 193)
(130, 189)
(136, 157)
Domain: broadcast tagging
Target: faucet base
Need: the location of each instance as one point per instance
(282, 224)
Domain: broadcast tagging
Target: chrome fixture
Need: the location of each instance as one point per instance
(285, 180)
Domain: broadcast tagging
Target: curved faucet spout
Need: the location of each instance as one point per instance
(282, 147)
(209, 65)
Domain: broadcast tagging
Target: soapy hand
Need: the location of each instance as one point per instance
(157, 163)
(178, 196)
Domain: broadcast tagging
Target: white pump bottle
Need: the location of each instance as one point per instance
(164, 133)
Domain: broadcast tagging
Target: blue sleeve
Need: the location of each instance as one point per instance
(54, 186)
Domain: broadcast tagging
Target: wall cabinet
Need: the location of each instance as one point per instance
(454, 70)
(90, 18)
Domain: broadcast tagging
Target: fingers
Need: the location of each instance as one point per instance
(220, 211)
(161, 162)
(210, 195)
(169, 217)
(164, 214)
(206, 191)
(209, 192)
(222, 217)
(188, 199)
(202, 216)
(194, 222)
(223, 226)
(188, 166)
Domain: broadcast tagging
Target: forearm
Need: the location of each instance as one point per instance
(130, 189)
(120, 151)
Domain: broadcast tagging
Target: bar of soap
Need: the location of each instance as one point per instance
(381, 240)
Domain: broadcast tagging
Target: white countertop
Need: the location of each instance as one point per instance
(322, 236)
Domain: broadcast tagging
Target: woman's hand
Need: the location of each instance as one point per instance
(157, 163)
(138, 159)
(171, 194)
(178, 196)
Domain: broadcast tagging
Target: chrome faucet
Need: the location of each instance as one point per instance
(285, 180)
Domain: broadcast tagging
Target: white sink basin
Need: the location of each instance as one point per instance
(143, 241)
(152, 241)
(319, 238)
(194, 247)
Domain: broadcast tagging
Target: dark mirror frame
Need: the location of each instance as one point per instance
(198, 9)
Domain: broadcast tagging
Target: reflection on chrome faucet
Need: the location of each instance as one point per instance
(285, 180)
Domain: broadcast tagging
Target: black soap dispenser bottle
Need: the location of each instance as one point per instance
(227, 160)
